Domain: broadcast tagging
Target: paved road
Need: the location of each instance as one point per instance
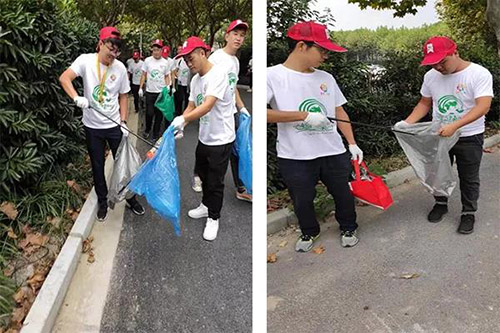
(361, 290)
(164, 283)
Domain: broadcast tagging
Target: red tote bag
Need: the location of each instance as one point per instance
(370, 188)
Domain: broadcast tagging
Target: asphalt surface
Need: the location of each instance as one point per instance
(405, 275)
(165, 283)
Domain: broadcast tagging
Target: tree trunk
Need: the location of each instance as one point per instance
(493, 17)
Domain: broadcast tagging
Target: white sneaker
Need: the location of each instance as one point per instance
(196, 184)
(211, 228)
(198, 212)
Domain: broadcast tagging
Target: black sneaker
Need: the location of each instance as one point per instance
(135, 206)
(466, 224)
(102, 213)
(437, 213)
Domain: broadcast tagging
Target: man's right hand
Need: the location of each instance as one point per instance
(81, 102)
(315, 119)
(141, 92)
(401, 124)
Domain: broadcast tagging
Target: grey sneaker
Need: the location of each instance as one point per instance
(305, 243)
(349, 238)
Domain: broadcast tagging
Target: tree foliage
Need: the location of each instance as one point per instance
(401, 7)
(40, 129)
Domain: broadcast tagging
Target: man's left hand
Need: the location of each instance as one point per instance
(447, 130)
(245, 111)
(356, 153)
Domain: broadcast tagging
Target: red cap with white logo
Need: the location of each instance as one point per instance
(236, 23)
(165, 51)
(190, 45)
(157, 42)
(436, 49)
(314, 32)
(136, 55)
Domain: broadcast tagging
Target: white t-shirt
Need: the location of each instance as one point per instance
(232, 67)
(182, 72)
(453, 95)
(289, 90)
(217, 126)
(129, 62)
(116, 83)
(135, 69)
(156, 70)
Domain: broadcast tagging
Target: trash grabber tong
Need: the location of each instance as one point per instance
(387, 128)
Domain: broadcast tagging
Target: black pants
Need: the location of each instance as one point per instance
(137, 100)
(212, 166)
(301, 178)
(181, 99)
(235, 159)
(153, 112)
(467, 153)
(96, 144)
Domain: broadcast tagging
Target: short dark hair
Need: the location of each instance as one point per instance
(114, 41)
(292, 43)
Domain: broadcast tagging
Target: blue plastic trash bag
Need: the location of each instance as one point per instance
(243, 146)
(158, 181)
(126, 165)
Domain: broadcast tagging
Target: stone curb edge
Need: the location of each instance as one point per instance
(43, 313)
(283, 218)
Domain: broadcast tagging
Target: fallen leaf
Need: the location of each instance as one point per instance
(18, 314)
(488, 150)
(74, 216)
(283, 243)
(8, 271)
(319, 249)
(74, 185)
(9, 209)
(33, 239)
(26, 229)
(55, 221)
(366, 307)
(271, 258)
(91, 257)
(409, 276)
(11, 233)
(20, 295)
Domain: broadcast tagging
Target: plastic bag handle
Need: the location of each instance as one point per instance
(356, 166)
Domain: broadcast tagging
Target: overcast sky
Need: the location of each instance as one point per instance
(350, 16)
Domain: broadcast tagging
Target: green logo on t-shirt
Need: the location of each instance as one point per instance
(449, 109)
(313, 105)
(155, 74)
(107, 103)
(232, 80)
(199, 99)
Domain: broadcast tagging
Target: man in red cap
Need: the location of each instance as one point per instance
(211, 101)
(105, 88)
(157, 71)
(182, 79)
(226, 57)
(459, 93)
(309, 146)
(135, 72)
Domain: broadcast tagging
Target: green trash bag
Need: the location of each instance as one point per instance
(165, 103)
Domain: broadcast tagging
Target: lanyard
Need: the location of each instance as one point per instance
(102, 80)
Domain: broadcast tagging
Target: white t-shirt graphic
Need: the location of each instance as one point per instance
(116, 83)
(135, 69)
(156, 70)
(182, 72)
(289, 90)
(217, 126)
(453, 95)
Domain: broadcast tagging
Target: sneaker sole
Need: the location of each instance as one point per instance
(243, 199)
(134, 211)
(438, 220)
(197, 190)
(350, 245)
(102, 220)
(465, 232)
(197, 217)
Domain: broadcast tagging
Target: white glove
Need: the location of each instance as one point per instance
(178, 123)
(315, 119)
(124, 131)
(173, 90)
(245, 111)
(401, 124)
(357, 154)
(179, 134)
(81, 102)
(141, 92)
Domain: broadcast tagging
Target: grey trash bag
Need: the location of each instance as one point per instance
(428, 155)
(127, 163)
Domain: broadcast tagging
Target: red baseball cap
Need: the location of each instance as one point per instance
(158, 42)
(314, 32)
(236, 23)
(165, 51)
(109, 32)
(190, 44)
(136, 55)
(436, 49)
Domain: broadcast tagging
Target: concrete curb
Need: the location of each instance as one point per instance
(284, 218)
(43, 313)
